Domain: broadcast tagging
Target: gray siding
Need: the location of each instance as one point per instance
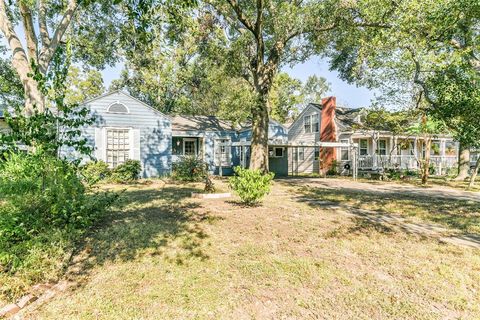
(296, 136)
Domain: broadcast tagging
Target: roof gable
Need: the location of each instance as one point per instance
(128, 96)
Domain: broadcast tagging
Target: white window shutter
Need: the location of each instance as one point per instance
(135, 144)
(100, 144)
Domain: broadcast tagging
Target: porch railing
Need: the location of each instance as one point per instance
(441, 163)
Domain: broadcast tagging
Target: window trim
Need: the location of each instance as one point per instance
(117, 102)
(378, 147)
(218, 162)
(312, 117)
(309, 123)
(360, 147)
(275, 152)
(190, 140)
(105, 141)
(345, 149)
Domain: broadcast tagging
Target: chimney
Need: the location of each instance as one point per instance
(328, 133)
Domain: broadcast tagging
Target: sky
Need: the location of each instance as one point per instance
(347, 95)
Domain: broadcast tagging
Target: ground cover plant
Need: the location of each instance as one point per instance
(45, 208)
(250, 185)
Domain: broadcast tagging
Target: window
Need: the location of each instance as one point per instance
(363, 147)
(301, 153)
(317, 154)
(315, 123)
(189, 147)
(307, 124)
(118, 146)
(177, 146)
(222, 152)
(278, 152)
(117, 107)
(311, 123)
(275, 152)
(344, 152)
(382, 147)
(435, 149)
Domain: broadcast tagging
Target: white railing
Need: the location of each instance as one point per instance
(441, 163)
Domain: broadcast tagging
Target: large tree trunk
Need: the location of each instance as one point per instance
(259, 146)
(463, 163)
(474, 174)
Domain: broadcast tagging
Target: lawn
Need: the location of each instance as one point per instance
(163, 255)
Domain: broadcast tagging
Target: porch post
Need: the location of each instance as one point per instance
(415, 151)
(374, 151)
(442, 156)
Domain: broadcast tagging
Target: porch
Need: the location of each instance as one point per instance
(389, 152)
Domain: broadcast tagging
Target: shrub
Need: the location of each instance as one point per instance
(333, 170)
(189, 168)
(126, 172)
(95, 171)
(250, 185)
(44, 208)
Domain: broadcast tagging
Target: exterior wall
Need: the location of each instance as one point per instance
(153, 132)
(297, 135)
(207, 151)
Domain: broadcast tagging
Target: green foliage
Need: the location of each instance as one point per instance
(83, 85)
(59, 126)
(95, 171)
(41, 196)
(333, 170)
(250, 185)
(189, 168)
(126, 172)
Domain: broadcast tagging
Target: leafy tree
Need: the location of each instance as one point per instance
(285, 97)
(419, 40)
(264, 35)
(100, 31)
(315, 89)
(45, 132)
(82, 85)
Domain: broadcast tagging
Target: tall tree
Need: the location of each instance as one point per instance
(315, 89)
(264, 35)
(98, 30)
(82, 85)
(421, 39)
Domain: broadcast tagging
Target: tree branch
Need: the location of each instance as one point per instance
(30, 36)
(42, 21)
(19, 56)
(241, 16)
(49, 51)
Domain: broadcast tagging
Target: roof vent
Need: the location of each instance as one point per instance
(117, 107)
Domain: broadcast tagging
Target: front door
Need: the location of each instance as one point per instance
(189, 147)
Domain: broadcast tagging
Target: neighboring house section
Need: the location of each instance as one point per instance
(127, 128)
(208, 138)
(277, 146)
(376, 149)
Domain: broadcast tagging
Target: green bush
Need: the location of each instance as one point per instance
(126, 172)
(44, 208)
(250, 185)
(189, 168)
(95, 171)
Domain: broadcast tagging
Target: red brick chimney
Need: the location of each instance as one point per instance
(328, 133)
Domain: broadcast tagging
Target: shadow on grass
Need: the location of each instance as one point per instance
(463, 215)
(146, 222)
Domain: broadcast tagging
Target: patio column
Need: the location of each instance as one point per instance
(442, 156)
(415, 150)
(374, 151)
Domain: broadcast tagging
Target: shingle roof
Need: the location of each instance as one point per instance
(201, 123)
(347, 117)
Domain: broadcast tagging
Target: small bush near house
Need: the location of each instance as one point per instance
(95, 171)
(333, 170)
(189, 168)
(126, 172)
(44, 208)
(250, 185)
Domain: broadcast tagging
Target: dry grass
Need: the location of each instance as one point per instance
(163, 255)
